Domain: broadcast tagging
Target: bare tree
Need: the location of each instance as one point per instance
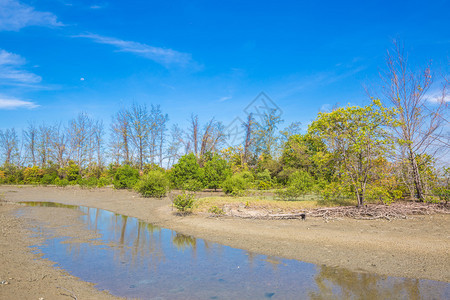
(120, 136)
(421, 123)
(80, 134)
(9, 146)
(59, 140)
(249, 139)
(213, 137)
(30, 136)
(139, 132)
(193, 137)
(44, 145)
(175, 144)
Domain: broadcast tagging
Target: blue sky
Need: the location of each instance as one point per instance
(62, 57)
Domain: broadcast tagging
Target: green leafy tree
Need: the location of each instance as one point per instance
(187, 174)
(237, 184)
(216, 170)
(125, 177)
(299, 183)
(356, 138)
(153, 184)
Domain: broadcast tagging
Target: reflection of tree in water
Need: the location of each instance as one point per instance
(334, 283)
(183, 242)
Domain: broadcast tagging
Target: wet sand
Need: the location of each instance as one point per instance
(417, 247)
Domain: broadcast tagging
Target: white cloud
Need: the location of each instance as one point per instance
(162, 56)
(12, 103)
(12, 72)
(437, 95)
(15, 15)
(224, 98)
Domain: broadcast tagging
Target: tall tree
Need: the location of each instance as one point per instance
(357, 139)
(421, 123)
(120, 137)
(266, 134)
(9, 146)
(139, 132)
(30, 140)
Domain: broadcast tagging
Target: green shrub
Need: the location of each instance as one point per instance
(61, 182)
(192, 185)
(184, 202)
(90, 182)
(71, 172)
(48, 179)
(103, 181)
(125, 177)
(154, 184)
(186, 170)
(32, 175)
(236, 185)
(299, 183)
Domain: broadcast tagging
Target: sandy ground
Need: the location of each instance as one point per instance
(417, 247)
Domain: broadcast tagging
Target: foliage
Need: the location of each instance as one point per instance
(264, 180)
(216, 170)
(153, 184)
(237, 184)
(103, 181)
(184, 202)
(299, 183)
(33, 175)
(61, 182)
(125, 177)
(187, 174)
(71, 172)
(216, 210)
(89, 182)
(356, 138)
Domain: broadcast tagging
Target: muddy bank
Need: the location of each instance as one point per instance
(417, 247)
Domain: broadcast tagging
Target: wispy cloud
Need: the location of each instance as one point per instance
(225, 98)
(166, 57)
(438, 95)
(15, 15)
(13, 103)
(12, 71)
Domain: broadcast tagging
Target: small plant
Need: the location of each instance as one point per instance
(216, 210)
(184, 202)
(154, 184)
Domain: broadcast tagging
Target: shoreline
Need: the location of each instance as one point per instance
(417, 247)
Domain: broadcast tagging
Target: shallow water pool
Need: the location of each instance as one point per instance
(135, 259)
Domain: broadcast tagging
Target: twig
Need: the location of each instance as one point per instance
(72, 294)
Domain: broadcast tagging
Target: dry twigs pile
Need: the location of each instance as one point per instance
(398, 210)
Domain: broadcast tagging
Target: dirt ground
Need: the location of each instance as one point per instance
(417, 247)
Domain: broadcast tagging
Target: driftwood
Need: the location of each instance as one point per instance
(399, 210)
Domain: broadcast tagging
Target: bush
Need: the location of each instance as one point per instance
(184, 202)
(299, 183)
(48, 179)
(103, 181)
(61, 182)
(192, 185)
(32, 175)
(71, 172)
(90, 182)
(264, 180)
(187, 169)
(154, 184)
(236, 184)
(125, 177)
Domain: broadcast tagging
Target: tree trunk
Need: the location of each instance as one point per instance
(416, 176)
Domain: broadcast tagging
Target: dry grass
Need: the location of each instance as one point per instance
(266, 202)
